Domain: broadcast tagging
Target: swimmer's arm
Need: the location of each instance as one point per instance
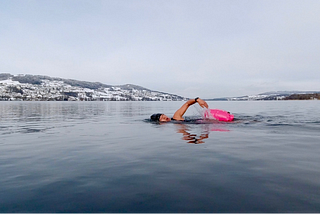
(180, 112)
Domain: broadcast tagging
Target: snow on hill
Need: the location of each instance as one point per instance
(44, 88)
(274, 95)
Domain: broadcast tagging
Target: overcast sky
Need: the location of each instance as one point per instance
(203, 48)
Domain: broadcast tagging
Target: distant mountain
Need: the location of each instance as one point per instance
(38, 87)
(274, 95)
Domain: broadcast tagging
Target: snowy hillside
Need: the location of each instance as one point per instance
(43, 88)
(274, 95)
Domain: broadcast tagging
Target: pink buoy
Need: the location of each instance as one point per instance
(217, 114)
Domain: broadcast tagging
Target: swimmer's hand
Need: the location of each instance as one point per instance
(202, 103)
(180, 112)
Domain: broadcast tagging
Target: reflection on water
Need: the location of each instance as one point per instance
(194, 130)
(191, 138)
(197, 130)
(35, 111)
(196, 133)
(30, 117)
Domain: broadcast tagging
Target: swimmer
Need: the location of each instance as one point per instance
(180, 112)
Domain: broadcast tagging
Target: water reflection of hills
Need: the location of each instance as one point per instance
(38, 111)
(29, 117)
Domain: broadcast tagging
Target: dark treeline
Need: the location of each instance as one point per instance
(303, 96)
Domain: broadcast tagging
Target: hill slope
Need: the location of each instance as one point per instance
(44, 88)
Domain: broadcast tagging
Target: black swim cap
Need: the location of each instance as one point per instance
(155, 117)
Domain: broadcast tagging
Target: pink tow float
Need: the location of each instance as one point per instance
(218, 114)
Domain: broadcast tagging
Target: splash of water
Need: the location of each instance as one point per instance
(204, 113)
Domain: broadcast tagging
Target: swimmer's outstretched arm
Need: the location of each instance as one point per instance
(180, 112)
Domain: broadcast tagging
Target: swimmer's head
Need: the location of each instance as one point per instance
(160, 118)
(155, 117)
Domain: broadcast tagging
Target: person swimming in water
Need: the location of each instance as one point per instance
(180, 112)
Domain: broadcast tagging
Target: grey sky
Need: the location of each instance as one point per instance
(200, 48)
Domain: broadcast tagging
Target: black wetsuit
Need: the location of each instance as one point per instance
(188, 120)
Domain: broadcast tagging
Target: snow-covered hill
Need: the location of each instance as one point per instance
(44, 88)
(274, 95)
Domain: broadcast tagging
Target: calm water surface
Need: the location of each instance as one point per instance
(105, 157)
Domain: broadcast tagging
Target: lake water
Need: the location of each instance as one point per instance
(105, 157)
